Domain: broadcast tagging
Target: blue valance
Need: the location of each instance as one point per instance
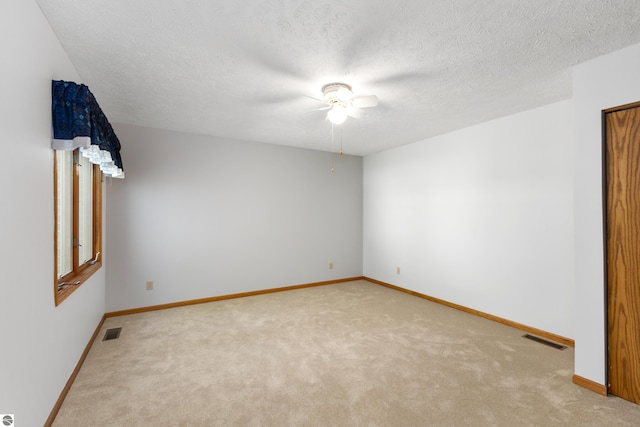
(78, 122)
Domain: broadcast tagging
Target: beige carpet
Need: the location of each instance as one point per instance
(350, 354)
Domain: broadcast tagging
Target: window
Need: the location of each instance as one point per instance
(78, 221)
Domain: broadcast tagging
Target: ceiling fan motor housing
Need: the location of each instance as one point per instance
(337, 93)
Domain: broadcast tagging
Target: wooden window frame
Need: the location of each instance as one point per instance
(80, 273)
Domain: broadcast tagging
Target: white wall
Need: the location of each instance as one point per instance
(480, 217)
(605, 82)
(41, 343)
(204, 217)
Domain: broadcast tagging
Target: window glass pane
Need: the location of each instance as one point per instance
(64, 205)
(85, 211)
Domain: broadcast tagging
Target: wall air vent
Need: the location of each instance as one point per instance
(112, 334)
(545, 342)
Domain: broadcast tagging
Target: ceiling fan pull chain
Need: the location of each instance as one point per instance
(332, 169)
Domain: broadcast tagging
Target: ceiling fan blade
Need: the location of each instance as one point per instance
(365, 101)
(322, 108)
(356, 113)
(316, 99)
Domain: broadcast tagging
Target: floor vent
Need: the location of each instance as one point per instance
(112, 334)
(545, 342)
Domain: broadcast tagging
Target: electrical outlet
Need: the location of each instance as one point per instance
(149, 285)
(397, 270)
(330, 266)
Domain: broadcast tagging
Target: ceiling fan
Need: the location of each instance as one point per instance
(342, 103)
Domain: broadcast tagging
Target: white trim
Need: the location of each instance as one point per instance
(70, 144)
(92, 152)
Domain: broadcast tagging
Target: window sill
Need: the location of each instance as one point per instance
(83, 276)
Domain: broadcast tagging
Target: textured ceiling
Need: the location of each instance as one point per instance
(248, 69)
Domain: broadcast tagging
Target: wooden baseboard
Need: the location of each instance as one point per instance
(590, 385)
(543, 334)
(229, 296)
(74, 374)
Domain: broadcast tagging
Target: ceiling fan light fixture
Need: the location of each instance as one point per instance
(342, 104)
(337, 114)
